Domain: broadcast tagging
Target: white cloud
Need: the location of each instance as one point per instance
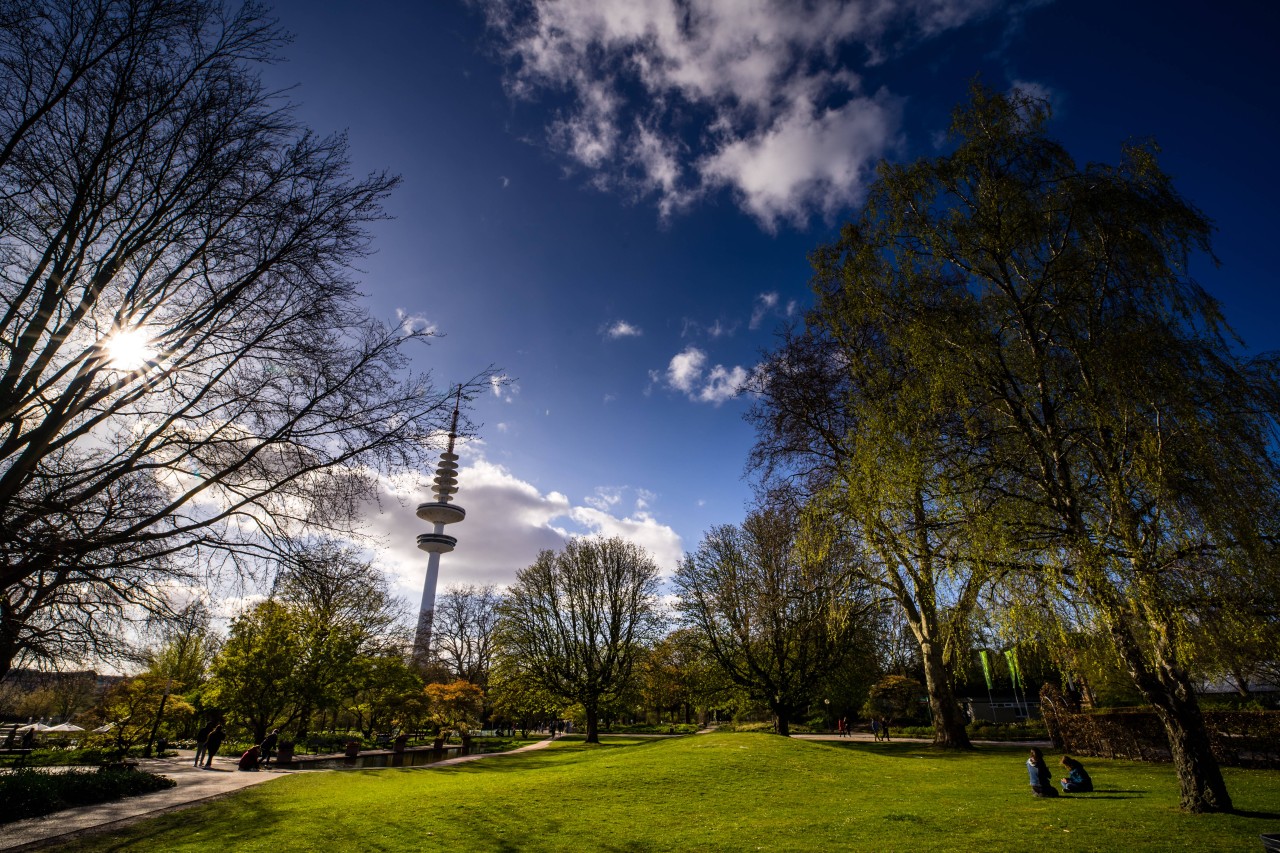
(685, 369)
(414, 323)
(503, 387)
(506, 182)
(722, 384)
(808, 160)
(1039, 91)
(623, 329)
(508, 522)
(686, 374)
(765, 303)
(670, 99)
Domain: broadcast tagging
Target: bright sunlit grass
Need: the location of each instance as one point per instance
(128, 349)
(729, 792)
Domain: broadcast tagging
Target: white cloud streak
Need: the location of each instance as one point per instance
(623, 329)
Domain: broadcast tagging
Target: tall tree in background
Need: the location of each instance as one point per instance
(776, 609)
(463, 631)
(1131, 449)
(255, 675)
(855, 426)
(343, 611)
(185, 371)
(576, 620)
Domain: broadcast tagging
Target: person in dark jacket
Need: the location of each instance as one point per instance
(1038, 771)
(216, 737)
(202, 741)
(1077, 780)
(269, 745)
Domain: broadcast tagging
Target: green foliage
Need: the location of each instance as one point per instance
(894, 698)
(714, 793)
(135, 707)
(1033, 392)
(31, 793)
(776, 605)
(574, 623)
(255, 676)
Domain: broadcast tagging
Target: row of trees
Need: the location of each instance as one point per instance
(1012, 396)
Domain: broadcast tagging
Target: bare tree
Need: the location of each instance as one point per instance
(465, 620)
(575, 621)
(778, 613)
(185, 371)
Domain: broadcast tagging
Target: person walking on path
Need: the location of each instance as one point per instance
(215, 740)
(202, 741)
(875, 728)
(884, 729)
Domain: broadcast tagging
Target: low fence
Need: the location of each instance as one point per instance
(1238, 738)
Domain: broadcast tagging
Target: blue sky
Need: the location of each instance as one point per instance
(612, 201)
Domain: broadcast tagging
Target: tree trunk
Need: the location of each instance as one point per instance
(781, 720)
(155, 727)
(1200, 782)
(593, 723)
(949, 730)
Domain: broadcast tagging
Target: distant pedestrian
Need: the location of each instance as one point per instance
(875, 728)
(884, 729)
(202, 741)
(269, 745)
(216, 737)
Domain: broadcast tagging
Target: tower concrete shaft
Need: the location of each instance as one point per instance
(440, 512)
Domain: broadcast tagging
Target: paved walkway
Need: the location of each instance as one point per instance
(195, 786)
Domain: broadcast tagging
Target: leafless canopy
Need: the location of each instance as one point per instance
(184, 366)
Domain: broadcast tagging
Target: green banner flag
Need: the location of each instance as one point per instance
(986, 667)
(1011, 658)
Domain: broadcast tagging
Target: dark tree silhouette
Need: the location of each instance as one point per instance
(185, 371)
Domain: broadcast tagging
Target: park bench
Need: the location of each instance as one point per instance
(383, 740)
(11, 745)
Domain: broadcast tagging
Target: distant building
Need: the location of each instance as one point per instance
(1000, 708)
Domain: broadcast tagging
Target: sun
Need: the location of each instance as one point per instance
(128, 349)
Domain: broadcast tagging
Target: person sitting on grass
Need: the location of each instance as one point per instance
(1077, 780)
(1038, 771)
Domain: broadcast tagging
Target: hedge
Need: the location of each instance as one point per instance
(31, 793)
(1238, 738)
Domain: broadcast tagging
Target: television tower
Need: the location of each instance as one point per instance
(437, 542)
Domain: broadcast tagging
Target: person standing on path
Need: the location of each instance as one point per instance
(215, 740)
(202, 741)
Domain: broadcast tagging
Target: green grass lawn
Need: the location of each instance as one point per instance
(728, 792)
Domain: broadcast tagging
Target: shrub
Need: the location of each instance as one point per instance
(31, 793)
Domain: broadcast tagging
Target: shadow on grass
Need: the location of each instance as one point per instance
(915, 750)
(1257, 815)
(248, 822)
(563, 753)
